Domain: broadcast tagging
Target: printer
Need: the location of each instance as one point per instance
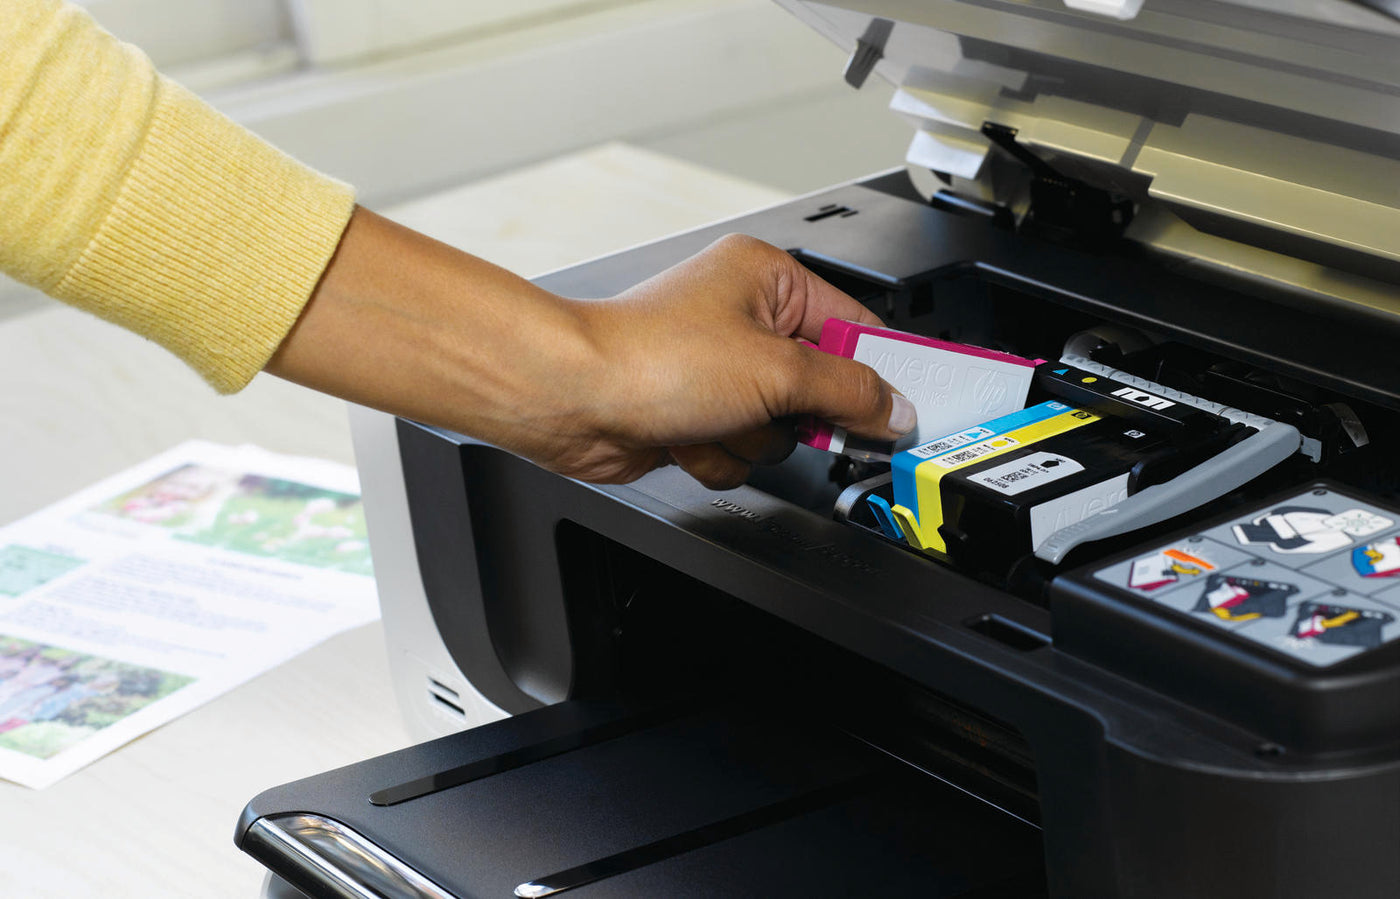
(1189, 686)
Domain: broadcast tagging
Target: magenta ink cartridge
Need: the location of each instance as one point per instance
(951, 385)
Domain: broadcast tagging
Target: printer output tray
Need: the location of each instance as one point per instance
(598, 799)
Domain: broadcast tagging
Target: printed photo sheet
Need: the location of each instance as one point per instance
(156, 590)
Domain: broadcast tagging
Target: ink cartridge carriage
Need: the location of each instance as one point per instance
(1107, 455)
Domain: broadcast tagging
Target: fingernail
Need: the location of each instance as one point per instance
(902, 415)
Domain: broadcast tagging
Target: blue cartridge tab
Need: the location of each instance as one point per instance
(888, 526)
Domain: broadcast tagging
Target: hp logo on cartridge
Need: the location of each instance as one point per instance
(1143, 398)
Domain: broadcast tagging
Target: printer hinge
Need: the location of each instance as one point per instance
(1063, 208)
(870, 49)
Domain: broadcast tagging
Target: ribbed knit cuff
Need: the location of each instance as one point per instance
(214, 244)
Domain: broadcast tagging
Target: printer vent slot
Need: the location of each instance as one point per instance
(446, 698)
(449, 706)
(442, 689)
(831, 210)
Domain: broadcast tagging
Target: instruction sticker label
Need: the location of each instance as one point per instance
(1377, 560)
(1167, 567)
(1309, 530)
(1315, 575)
(1027, 473)
(1235, 598)
(1340, 625)
(1358, 522)
(976, 451)
(951, 442)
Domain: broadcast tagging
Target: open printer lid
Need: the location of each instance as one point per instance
(1259, 139)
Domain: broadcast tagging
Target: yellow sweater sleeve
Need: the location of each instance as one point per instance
(125, 195)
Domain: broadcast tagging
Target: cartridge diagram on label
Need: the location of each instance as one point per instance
(1340, 625)
(1174, 568)
(1328, 629)
(1309, 530)
(1315, 576)
(1234, 598)
(1380, 559)
(1170, 566)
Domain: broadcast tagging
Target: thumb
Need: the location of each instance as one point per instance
(851, 395)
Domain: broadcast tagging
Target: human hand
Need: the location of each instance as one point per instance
(699, 365)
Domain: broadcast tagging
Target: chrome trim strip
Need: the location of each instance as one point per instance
(339, 859)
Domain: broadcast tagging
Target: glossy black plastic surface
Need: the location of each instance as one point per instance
(723, 800)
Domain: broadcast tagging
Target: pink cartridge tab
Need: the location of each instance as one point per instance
(952, 385)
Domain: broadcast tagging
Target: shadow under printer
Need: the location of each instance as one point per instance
(1190, 688)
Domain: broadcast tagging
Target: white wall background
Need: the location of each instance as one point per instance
(405, 98)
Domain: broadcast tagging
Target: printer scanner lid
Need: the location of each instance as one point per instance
(1258, 136)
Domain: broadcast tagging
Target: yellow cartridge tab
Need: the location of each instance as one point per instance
(910, 526)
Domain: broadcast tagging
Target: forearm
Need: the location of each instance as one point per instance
(403, 323)
(696, 365)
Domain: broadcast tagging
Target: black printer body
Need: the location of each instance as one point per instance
(757, 692)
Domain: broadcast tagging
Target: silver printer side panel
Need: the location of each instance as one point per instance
(434, 695)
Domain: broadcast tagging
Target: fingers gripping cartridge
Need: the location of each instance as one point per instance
(1105, 457)
(951, 385)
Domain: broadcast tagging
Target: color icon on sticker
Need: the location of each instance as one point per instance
(1304, 530)
(1167, 567)
(1337, 625)
(1379, 559)
(1358, 522)
(1232, 598)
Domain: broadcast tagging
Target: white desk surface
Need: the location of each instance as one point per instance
(80, 400)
